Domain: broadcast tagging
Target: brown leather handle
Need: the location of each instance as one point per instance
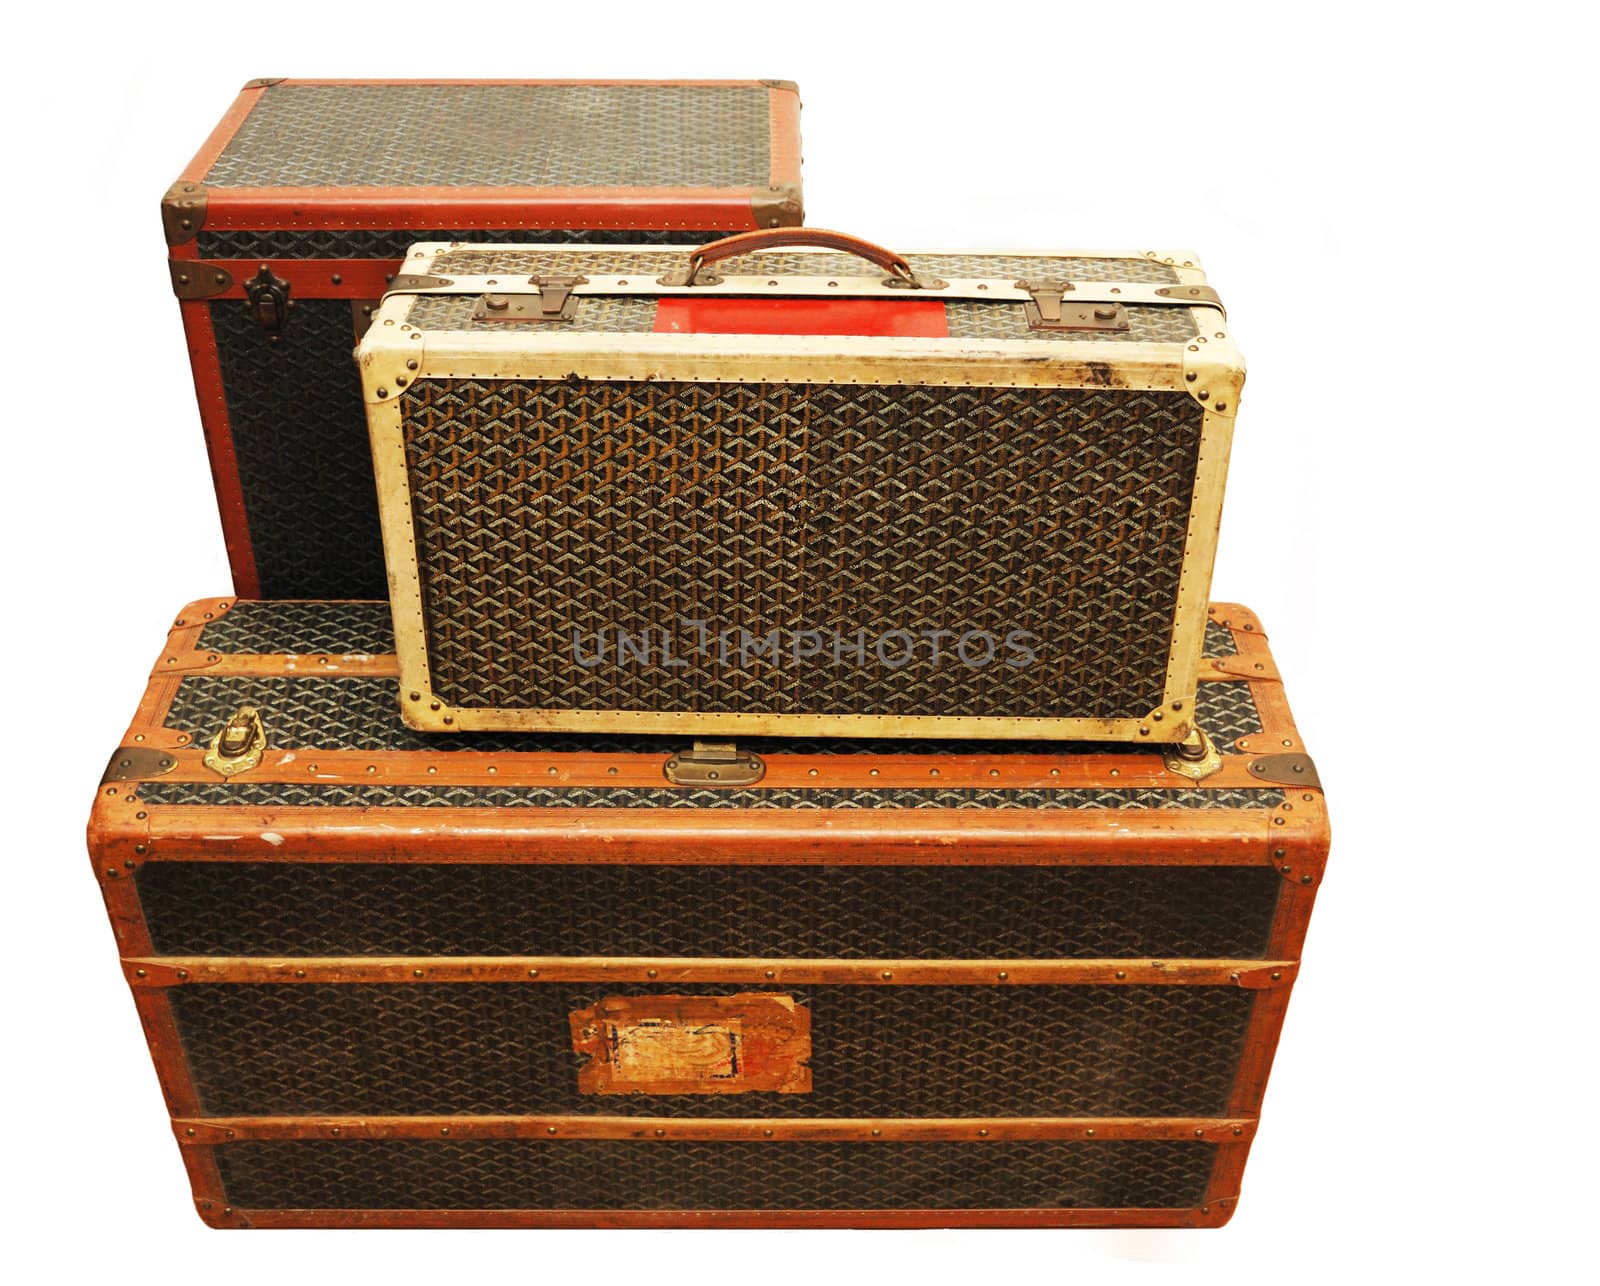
(774, 238)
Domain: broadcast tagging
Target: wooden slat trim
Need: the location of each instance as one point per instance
(196, 1131)
(768, 837)
(1210, 1216)
(171, 971)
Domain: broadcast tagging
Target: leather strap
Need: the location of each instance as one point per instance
(775, 238)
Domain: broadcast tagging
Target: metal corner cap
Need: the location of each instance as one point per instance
(183, 212)
(778, 205)
(262, 82)
(1213, 370)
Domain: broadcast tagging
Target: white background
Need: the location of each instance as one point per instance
(1395, 202)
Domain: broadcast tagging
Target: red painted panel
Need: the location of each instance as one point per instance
(714, 315)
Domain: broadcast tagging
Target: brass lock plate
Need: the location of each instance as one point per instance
(239, 745)
(715, 764)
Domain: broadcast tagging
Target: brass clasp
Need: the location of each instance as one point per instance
(238, 747)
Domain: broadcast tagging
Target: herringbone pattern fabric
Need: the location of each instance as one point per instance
(342, 713)
(300, 438)
(340, 627)
(399, 135)
(487, 260)
(552, 515)
(589, 909)
(393, 243)
(509, 1174)
(422, 1048)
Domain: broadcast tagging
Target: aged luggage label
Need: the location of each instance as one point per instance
(693, 1045)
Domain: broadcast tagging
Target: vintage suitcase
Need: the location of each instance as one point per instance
(516, 979)
(285, 228)
(753, 489)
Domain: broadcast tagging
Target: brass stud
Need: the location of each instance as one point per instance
(190, 1131)
(1280, 852)
(444, 1129)
(661, 1134)
(1277, 975)
(383, 392)
(299, 973)
(416, 973)
(1305, 879)
(448, 719)
(888, 974)
(983, 1134)
(1238, 1130)
(766, 1133)
(1004, 976)
(877, 1134)
(1222, 406)
(772, 973)
(649, 973)
(812, 772)
(1121, 974)
(140, 973)
(1088, 1134)
(533, 973)
(183, 975)
(1199, 1134)
(411, 364)
(550, 1129)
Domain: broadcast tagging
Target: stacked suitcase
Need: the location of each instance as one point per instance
(796, 777)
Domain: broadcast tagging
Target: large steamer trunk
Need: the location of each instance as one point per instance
(392, 978)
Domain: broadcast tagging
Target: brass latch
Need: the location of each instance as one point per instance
(1048, 309)
(715, 763)
(238, 747)
(555, 302)
(1195, 757)
(267, 297)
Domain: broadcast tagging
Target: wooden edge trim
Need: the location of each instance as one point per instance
(1238, 618)
(203, 1131)
(207, 369)
(166, 1051)
(157, 972)
(1260, 1044)
(1207, 1216)
(765, 837)
(644, 82)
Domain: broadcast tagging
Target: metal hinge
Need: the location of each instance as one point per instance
(267, 297)
(715, 763)
(555, 302)
(238, 747)
(1047, 309)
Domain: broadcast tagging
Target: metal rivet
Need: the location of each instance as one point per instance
(1277, 821)
(649, 973)
(1122, 973)
(1088, 1134)
(1305, 879)
(812, 772)
(383, 392)
(983, 1134)
(772, 973)
(416, 973)
(660, 1134)
(1222, 406)
(140, 973)
(533, 973)
(1144, 732)
(887, 974)
(1055, 772)
(183, 975)
(411, 365)
(444, 1129)
(871, 772)
(1286, 869)
(550, 1130)
(994, 772)
(877, 1134)
(130, 863)
(767, 1133)
(299, 973)
(1199, 1134)
(1202, 395)
(491, 769)
(1280, 852)
(1156, 716)
(338, 280)
(1238, 1130)
(933, 772)
(190, 1131)
(1276, 975)
(449, 719)
(416, 696)
(1190, 376)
